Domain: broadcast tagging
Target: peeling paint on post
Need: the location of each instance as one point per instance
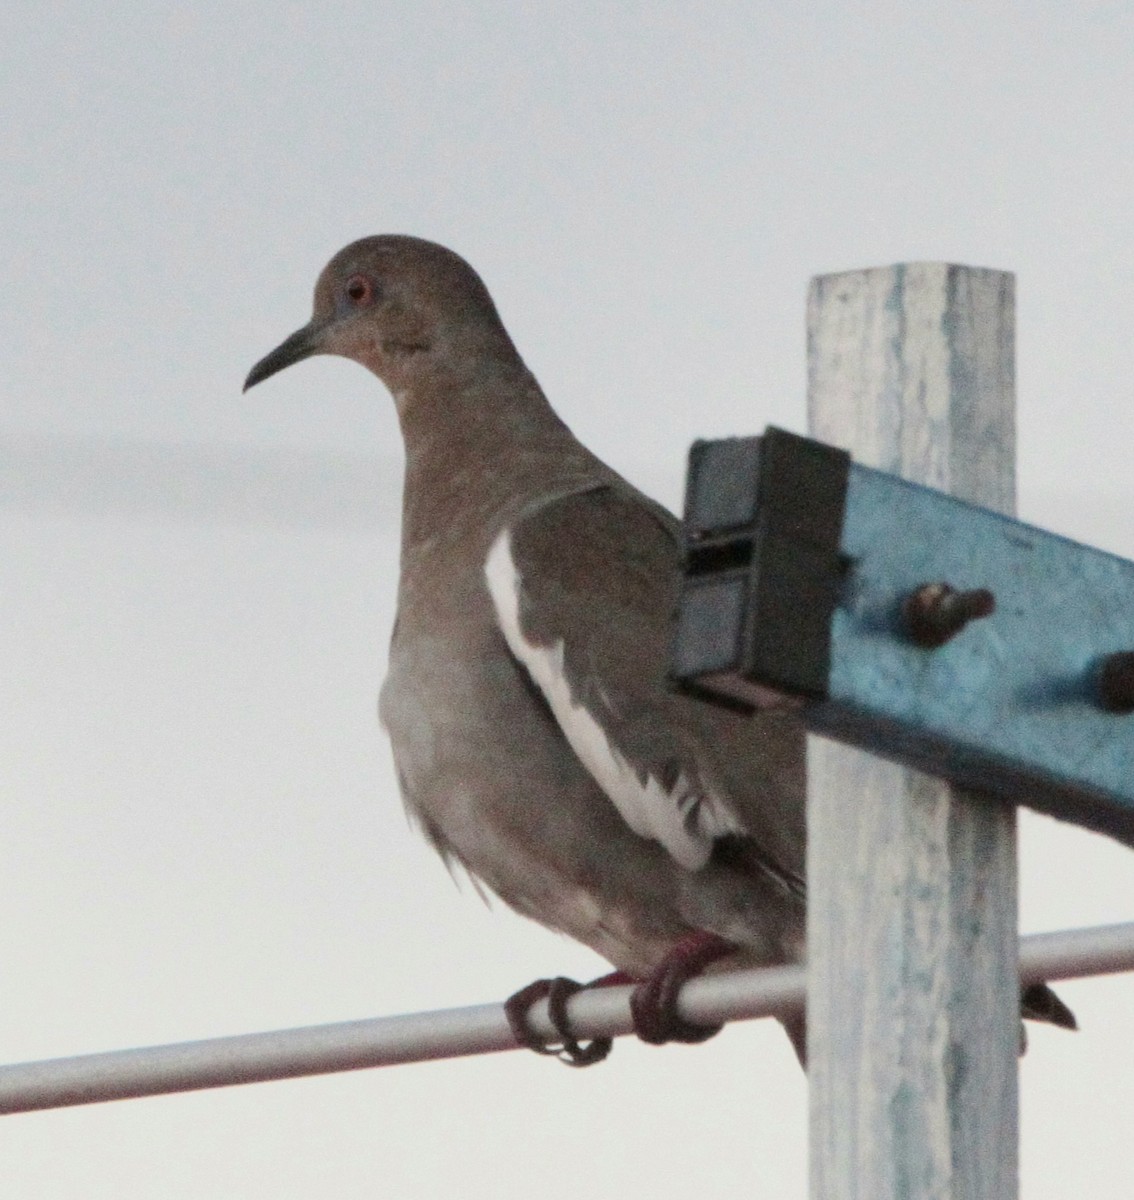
(913, 999)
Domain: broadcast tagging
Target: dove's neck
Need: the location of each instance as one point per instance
(479, 449)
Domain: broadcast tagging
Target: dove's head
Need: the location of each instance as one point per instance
(408, 309)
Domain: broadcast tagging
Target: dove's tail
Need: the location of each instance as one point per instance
(1039, 1003)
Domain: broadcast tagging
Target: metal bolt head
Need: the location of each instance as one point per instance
(935, 612)
(1115, 683)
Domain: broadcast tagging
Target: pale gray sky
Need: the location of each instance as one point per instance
(200, 828)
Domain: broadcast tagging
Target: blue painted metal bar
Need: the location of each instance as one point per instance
(800, 569)
(1010, 703)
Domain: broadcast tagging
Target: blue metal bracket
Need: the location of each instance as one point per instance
(917, 626)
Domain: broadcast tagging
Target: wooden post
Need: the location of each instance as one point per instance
(913, 999)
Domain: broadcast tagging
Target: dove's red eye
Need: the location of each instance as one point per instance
(359, 290)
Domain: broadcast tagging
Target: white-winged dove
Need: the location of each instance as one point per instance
(535, 739)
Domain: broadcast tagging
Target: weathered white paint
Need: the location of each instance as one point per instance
(684, 819)
(912, 994)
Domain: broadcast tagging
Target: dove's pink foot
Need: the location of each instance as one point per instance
(653, 1003)
(557, 992)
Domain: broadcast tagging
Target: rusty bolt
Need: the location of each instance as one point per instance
(1116, 682)
(936, 612)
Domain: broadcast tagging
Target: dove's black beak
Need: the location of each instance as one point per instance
(302, 344)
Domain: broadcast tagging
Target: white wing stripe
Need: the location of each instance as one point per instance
(646, 806)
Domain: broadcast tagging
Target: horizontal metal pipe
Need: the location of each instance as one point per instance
(452, 1033)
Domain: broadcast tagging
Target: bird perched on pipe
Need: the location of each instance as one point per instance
(535, 740)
